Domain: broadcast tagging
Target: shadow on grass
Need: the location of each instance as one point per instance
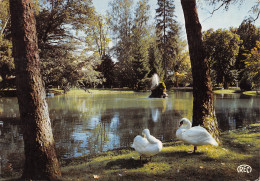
(125, 163)
(182, 154)
(238, 147)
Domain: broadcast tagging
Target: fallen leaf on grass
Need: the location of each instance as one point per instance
(96, 176)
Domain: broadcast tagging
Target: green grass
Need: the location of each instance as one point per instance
(225, 91)
(174, 162)
(232, 90)
(252, 93)
(98, 91)
(235, 90)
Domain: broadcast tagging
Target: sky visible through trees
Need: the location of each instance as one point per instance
(220, 19)
(126, 34)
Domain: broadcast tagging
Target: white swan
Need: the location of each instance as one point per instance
(196, 135)
(147, 146)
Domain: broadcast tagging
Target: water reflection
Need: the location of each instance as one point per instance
(95, 123)
(236, 111)
(101, 122)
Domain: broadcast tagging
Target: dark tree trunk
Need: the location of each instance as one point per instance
(164, 41)
(225, 83)
(203, 100)
(39, 146)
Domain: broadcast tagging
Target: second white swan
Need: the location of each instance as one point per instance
(196, 135)
(148, 145)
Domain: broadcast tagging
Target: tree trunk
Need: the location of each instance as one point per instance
(164, 42)
(225, 83)
(203, 99)
(39, 146)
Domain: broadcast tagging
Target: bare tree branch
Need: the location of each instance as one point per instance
(2, 31)
(258, 14)
(216, 9)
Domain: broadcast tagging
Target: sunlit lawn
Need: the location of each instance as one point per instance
(98, 91)
(174, 162)
(235, 90)
(231, 90)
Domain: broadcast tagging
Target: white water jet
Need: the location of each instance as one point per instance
(155, 81)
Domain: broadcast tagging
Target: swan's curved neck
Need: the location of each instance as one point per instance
(187, 125)
(150, 138)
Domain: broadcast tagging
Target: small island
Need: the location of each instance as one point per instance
(159, 91)
(158, 88)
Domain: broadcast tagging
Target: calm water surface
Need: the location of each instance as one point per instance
(96, 123)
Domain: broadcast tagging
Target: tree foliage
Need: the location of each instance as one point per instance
(140, 39)
(167, 32)
(73, 37)
(107, 68)
(58, 43)
(4, 16)
(222, 47)
(97, 39)
(155, 60)
(252, 65)
(249, 34)
(120, 19)
(6, 63)
(6, 59)
(131, 37)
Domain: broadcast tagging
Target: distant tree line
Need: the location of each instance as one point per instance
(124, 48)
(143, 47)
(232, 55)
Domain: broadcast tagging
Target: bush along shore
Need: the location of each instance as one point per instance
(237, 158)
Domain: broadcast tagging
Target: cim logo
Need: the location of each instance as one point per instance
(244, 169)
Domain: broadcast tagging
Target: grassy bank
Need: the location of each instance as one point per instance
(236, 90)
(232, 90)
(98, 91)
(174, 162)
(52, 91)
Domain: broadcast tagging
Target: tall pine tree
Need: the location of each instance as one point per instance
(131, 39)
(166, 32)
(41, 162)
(140, 40)
(155, 59)
(121, 21)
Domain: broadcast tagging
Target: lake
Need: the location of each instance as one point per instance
(89, 124)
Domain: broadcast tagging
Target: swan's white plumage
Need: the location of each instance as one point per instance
(148, 145)
(196, 135)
